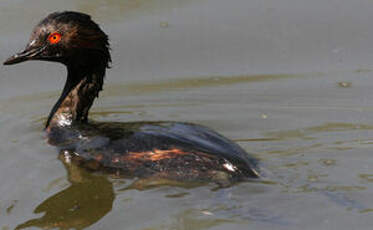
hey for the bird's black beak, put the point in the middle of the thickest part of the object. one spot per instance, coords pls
(30, 53)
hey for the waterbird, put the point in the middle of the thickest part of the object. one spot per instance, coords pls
(178, 151)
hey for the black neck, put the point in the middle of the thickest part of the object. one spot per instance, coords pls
(82, 86)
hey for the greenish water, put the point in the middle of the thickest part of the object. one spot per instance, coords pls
(290, 81)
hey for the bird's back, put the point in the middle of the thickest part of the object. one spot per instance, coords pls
(169, 150)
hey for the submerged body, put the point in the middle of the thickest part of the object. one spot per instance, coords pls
(177, 151)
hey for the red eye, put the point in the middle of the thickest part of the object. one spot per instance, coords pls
(54, 38)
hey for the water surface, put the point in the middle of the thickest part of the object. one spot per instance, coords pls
(290, 81)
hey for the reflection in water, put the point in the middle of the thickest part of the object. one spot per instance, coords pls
(89, 198)
(198, 82)
(83, 203)
(366, 177)
(306, 133)
(308, 139)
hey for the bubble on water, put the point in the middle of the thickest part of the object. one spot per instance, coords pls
(344, 84)
(163, 24)
(328, 162)
(208, 213)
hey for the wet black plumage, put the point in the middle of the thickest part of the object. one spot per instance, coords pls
(171, 150)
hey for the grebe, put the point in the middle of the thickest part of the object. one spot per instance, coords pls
(167, 150)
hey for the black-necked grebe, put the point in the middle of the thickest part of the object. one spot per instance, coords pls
(171, 150)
